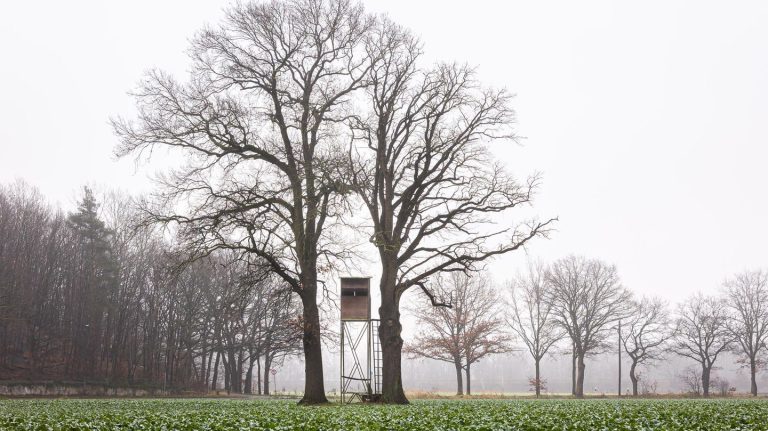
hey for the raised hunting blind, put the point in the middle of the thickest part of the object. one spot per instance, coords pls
(360, 346)
(355, 298)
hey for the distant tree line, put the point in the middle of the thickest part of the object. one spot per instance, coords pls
(580, 303)
(90, 297)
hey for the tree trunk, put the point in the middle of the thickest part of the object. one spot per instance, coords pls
(538, 378)
(705, 372)
(389, 334)
(258, 375)
(459, 379)
(753, 372)
(580, 376)
(227, 383)
(232, 365)
(573, 371)
(249, 378)
(208, 369)
(469, 387)
(215, 379)
(391, 355)
(239, 370)
(314, 386)
(633, 377)
(267, 365)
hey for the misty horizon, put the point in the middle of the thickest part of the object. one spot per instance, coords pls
(644, 122)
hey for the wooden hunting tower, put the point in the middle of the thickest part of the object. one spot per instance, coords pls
(355, 298)
(360, 377)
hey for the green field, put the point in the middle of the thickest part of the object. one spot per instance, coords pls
(184, 414)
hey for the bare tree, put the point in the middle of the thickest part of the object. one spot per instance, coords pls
(645, 334)
(702, 333)
(35, 267)
(280, 330)
(691, 380)
(259, 121)
(723, 386)
(747, 296)
(587, 300)
(465, 333)
(531, 317)
(420, 164)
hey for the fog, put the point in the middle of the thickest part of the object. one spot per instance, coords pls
(647, 121)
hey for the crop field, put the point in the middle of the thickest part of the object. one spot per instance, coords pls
(433, 415)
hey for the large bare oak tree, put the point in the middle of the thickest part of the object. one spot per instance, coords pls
(645, 334)
(420, 164)
(702, 333)
(258, 119)
(587, 300)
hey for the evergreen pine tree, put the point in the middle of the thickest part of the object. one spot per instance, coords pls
(94, 284)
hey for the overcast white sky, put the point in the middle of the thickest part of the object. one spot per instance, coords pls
(647, 119)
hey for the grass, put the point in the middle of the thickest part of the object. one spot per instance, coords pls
(228, 414)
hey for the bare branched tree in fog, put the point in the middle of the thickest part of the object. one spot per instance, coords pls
(419, 162)
(256, 323)
(587, 300)
(747, 296)
(531, 317)
(258, 119)
(702, 333)
(690, 377)
(35, 274)
(279, 332)
(465, 333)
(645, 334)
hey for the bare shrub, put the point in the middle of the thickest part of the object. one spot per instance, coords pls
(691, 380)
